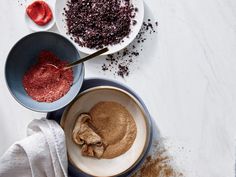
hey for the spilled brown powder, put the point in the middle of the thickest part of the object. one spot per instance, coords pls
(159, 164)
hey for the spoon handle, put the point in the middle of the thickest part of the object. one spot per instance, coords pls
(97, 53)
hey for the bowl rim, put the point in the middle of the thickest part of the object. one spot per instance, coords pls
(146, 117)
(82, 73)
(87, 50)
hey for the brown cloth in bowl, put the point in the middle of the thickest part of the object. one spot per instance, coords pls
(84, 135)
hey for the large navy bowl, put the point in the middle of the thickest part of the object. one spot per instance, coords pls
(25, 53)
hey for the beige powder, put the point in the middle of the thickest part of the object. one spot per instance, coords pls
(159, 164)
(115, 125)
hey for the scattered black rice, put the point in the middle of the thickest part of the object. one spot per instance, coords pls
(119, 63)
(123, 70)
(98, 23)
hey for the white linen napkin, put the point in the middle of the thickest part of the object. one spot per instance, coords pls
(41, 153)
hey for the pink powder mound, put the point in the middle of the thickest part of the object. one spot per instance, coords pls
(46, 83)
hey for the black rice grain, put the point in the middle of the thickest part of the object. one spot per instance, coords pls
(98, 23)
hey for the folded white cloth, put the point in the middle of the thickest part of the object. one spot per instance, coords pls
(41, 153)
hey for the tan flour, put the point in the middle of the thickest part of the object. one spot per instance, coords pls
(159, 164)
(116, 127)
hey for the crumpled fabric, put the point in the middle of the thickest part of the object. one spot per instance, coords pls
(41, 153)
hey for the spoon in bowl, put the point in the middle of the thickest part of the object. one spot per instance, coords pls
(77, 62)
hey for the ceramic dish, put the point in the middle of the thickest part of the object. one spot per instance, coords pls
(94, 82)
(116, 166)
(25, 53)
(33, 26)
(61, 24)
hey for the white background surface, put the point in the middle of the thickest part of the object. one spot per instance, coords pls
(186, 76)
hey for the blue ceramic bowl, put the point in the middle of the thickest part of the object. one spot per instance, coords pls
(25, 53)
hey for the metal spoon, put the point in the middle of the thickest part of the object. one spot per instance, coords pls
(93, 55)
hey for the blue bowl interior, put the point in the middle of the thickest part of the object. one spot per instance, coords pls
(25, 53)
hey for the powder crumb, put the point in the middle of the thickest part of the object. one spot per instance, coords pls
(159, 164)
(21, 2)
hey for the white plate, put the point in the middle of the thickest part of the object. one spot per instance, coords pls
(33, 26)
(62, 27)
(105, 167)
